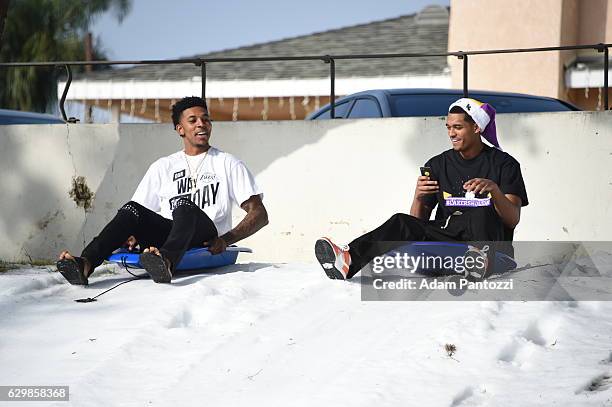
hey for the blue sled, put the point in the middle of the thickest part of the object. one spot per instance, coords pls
(194, 259)
(503, 262)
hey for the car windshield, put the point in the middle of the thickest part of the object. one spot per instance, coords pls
(339, 111)
(437, 104)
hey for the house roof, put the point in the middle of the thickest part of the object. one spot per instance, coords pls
(423, 32)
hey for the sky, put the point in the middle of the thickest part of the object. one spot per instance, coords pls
(161, 29)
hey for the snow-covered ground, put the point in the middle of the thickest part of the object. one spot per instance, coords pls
(285, 335)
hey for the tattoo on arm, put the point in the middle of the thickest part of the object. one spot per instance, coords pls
(255, 219)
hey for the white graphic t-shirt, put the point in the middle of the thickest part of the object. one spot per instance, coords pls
(220, 181)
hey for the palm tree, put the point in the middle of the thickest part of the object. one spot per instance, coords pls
(3, 9)
(46, 30)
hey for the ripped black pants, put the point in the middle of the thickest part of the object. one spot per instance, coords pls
(190, 227)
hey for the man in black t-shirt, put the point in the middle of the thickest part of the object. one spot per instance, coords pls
(479, 192)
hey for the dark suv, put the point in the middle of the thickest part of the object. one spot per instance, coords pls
(431, 102)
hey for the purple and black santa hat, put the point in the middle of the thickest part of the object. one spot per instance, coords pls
(483, 115)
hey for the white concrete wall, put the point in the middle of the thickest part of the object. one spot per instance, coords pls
(334, 178)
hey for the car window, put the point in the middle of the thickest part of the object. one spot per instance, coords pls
(364, 108)
(437, 104)
(421, 105)
(510, 104)
(340, 112)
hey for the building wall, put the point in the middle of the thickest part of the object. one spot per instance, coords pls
(286, 99)
(608, 29)
(589, 99)
(321, 178)
(221, 109)
(594, 17)
(570, 33)
(498, 24)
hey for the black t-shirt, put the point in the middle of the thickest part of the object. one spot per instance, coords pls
(452, 171)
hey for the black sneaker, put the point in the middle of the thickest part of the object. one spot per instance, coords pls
(73, 270)
(156, 267)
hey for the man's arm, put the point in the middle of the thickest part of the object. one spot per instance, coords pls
(507, 206)
(255, 219)
(424, 188)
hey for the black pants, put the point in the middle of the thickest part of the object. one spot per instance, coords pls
(477, 224)
(190, 227)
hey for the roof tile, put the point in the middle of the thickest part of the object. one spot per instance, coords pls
(425, 32)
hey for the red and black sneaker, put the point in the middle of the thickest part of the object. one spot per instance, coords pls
(334, 259)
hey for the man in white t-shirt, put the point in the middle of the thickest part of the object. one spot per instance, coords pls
(183, 201)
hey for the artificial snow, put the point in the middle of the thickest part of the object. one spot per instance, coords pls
(259, 334)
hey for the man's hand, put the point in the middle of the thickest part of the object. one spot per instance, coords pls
(481, 185)
(130, 243)
(216, 246)
(425, 186)
(507, 206)
(255, 219)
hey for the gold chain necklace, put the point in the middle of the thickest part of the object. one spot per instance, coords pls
(194, 179)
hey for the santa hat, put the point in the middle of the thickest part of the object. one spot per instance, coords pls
(483, 115)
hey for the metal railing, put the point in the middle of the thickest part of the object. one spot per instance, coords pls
(328, 59)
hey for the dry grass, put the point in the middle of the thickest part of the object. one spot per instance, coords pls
(5, 266)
